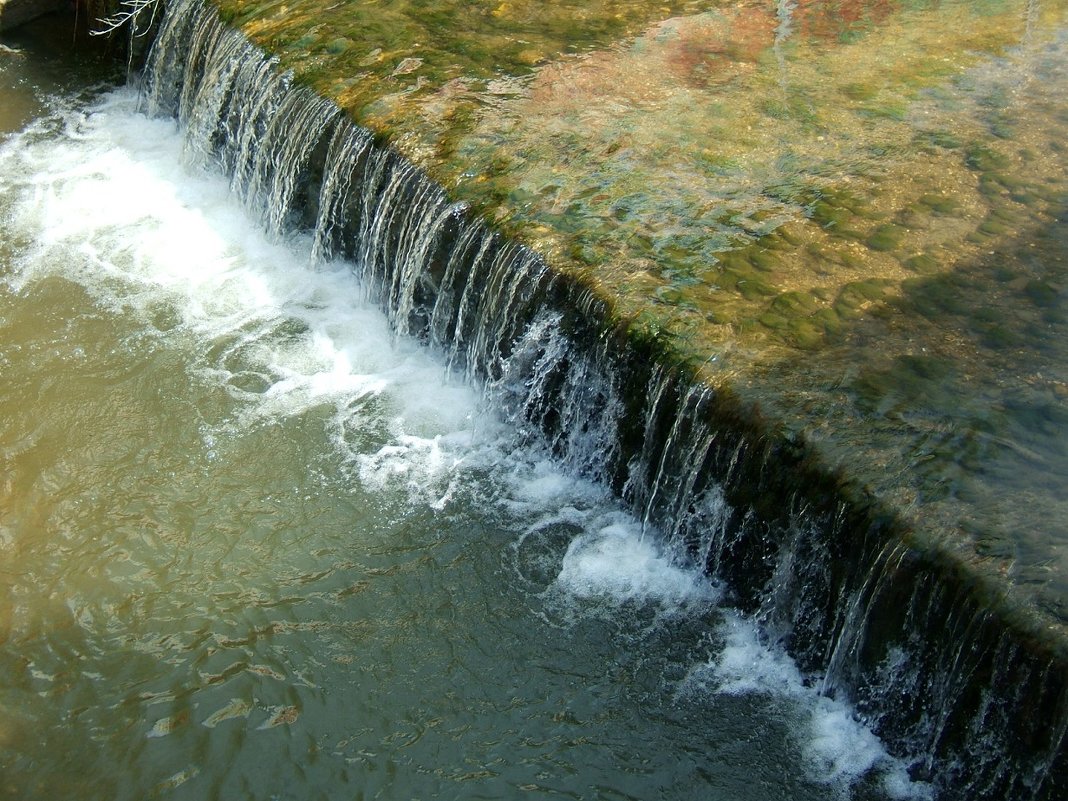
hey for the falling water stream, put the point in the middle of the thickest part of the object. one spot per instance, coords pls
(255, 544)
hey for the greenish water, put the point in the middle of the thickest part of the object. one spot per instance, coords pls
(253, 545)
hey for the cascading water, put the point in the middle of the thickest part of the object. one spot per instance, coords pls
(257, 545)
(822, 579)
(857, 609)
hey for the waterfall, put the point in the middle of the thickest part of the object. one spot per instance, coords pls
(926, 656)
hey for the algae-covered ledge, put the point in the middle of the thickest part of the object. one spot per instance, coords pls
(850, 214)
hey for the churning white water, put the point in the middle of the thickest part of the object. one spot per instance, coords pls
(346, 576)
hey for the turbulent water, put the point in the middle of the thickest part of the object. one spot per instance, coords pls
(255, 544)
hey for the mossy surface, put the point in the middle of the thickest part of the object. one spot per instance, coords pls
(851, 212)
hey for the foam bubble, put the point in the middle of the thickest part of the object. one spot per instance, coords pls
(430, 469)
(839, 748)
(614, 561)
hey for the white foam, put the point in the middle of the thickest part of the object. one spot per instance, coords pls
(429, 468)
(111, 206)
(614, 561)
(838, 747)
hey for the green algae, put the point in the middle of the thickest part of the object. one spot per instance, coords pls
(940, 204)
(795, 303)
(886, 237)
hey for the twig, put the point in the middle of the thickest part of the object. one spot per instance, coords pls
(128, 14)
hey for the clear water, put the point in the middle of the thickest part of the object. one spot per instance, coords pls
(252, 545)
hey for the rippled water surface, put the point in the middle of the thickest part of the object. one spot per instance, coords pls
(254, 546)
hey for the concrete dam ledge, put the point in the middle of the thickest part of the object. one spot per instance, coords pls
(882, 393)
(780, 275)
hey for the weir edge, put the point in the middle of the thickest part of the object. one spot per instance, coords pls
(767, 476)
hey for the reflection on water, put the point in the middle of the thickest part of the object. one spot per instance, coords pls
(254, 546)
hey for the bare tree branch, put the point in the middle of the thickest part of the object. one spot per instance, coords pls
(130, 13)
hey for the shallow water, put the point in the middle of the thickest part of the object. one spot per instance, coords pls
(255, 545)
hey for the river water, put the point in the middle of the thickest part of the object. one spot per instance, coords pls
(253, 544)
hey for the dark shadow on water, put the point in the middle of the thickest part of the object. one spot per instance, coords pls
(49, 56)
(951, 399)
